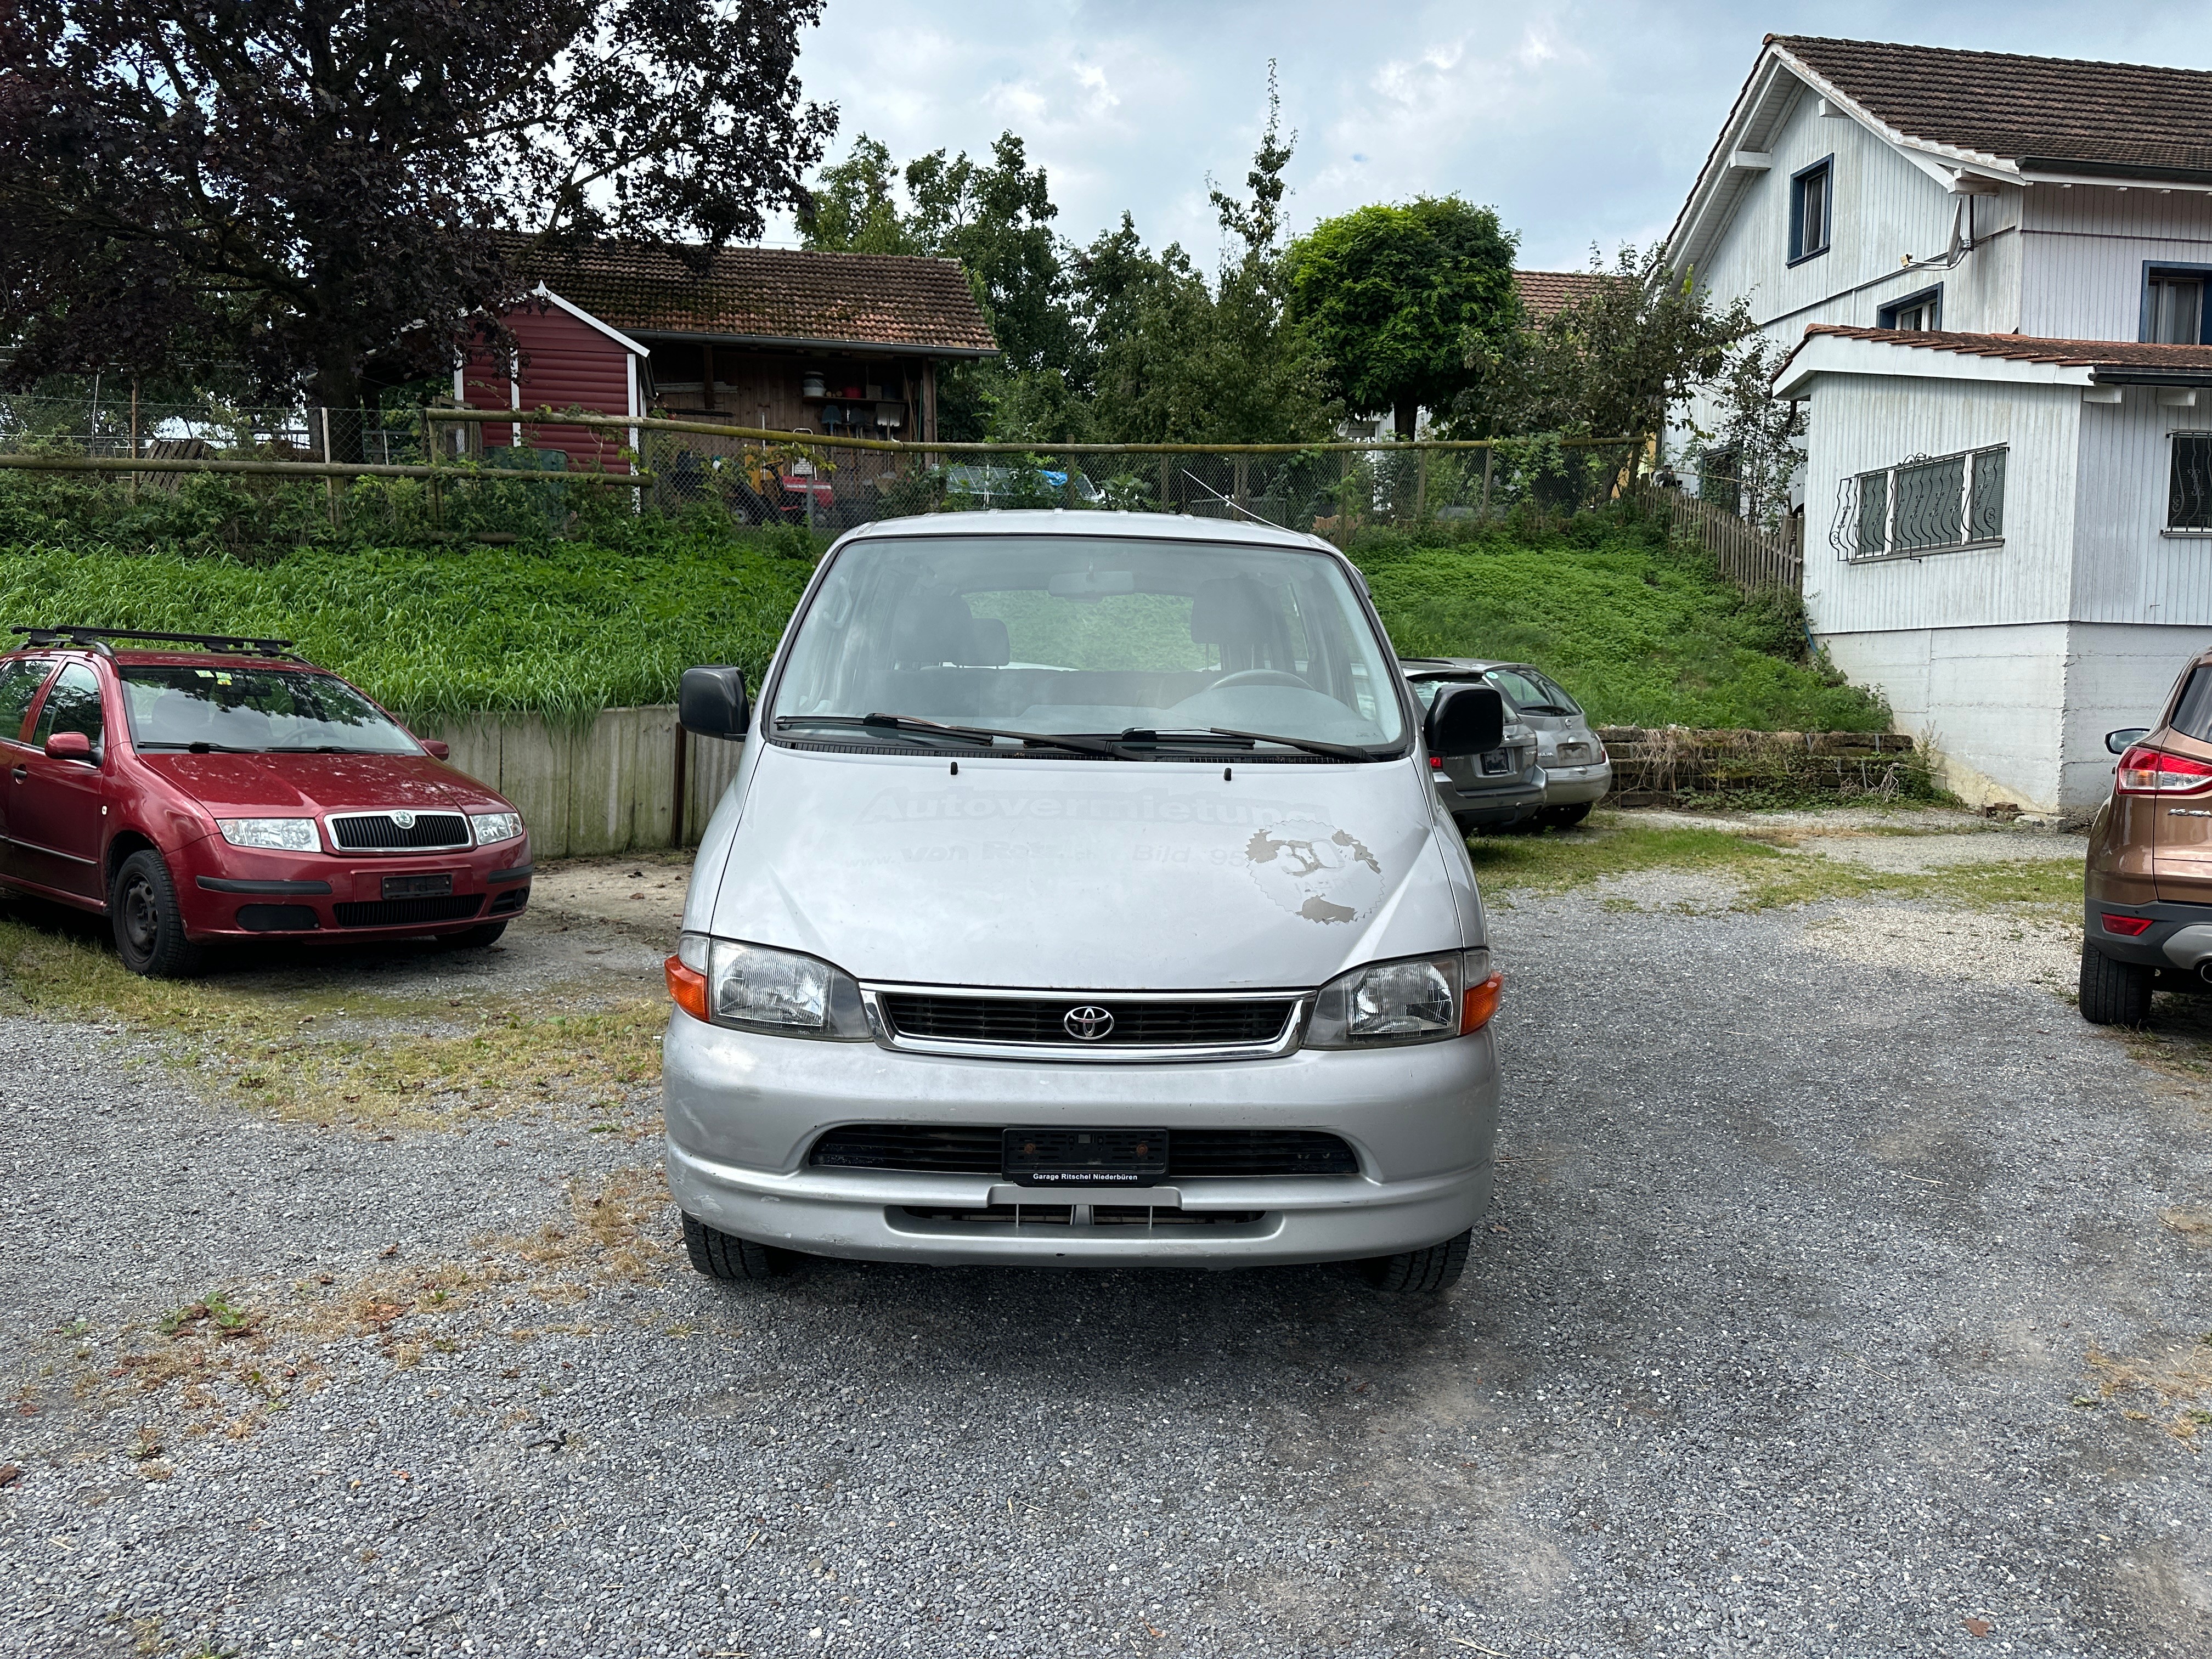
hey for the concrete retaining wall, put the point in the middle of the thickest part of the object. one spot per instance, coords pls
(607, 788)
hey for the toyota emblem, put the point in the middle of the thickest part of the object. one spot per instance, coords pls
(1087, 1023)
(405, 820)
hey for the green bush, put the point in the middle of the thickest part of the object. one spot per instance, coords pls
(1640, 631)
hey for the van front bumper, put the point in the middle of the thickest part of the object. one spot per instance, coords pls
(743, 1111)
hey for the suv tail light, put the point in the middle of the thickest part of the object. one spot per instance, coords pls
(2153, 772)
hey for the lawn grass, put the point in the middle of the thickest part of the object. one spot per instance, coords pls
(1641, 631)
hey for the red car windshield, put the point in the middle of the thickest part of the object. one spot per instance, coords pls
(254, 711)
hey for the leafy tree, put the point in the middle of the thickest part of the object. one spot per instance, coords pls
(1637, 342)
(315, 188)
(1390, 295)
(855, 206)
(1180, 362)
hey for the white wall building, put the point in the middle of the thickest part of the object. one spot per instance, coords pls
(1993, 271)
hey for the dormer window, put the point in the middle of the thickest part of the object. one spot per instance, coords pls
(1811, 193)
(1922, 312)
(2173, 304)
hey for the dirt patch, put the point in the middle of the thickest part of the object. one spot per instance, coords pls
(2168, 1386)
(642, 894)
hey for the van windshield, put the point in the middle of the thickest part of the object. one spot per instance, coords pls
(1159, 645)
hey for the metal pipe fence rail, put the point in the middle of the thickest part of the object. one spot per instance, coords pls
(512, 474)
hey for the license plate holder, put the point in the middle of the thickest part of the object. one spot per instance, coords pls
(1086, 1158)
(438, 886)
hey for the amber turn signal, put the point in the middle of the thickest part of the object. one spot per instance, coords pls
(1480, 1003)
(688, 986)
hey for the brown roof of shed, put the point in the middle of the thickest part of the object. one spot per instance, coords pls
(775, 295)
(2054, 114)
(1543, 292)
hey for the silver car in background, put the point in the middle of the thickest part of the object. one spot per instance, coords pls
(1500, 789)
(1576, 770)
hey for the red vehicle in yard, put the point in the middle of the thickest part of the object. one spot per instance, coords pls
(196, 787)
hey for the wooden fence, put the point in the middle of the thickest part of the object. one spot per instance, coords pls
(1746, 556)
(613, 787)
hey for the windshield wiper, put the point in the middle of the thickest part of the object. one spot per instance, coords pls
(974, 734)
(1208, 739)
(204, 748)
(1311, 745)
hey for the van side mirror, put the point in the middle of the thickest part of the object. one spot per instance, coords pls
(2125, 738)
(1465, 720)
(711, 702)
(69, 746)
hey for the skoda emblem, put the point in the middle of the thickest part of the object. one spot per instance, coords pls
(405, 820)
(1087, 1023)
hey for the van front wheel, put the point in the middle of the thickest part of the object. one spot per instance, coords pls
(726, 1257)
(2113, 993)
(1437, 1268)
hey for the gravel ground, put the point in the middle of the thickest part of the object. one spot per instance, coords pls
(1820, 1312)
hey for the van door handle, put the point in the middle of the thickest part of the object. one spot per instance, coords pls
(20, 773)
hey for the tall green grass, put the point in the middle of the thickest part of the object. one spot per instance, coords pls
(563, 631)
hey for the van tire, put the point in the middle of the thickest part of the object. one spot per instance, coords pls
(728, 1258)
(149, 927)
(1423, 1271)
(2114, 992)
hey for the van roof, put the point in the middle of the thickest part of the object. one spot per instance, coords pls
(1054, 521)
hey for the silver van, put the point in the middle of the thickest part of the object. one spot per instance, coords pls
(1081, 898)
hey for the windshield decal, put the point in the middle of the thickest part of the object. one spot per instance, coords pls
(1314, 871)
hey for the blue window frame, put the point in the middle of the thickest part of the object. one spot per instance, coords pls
(1812, 208)
(2176, 303)
(1922, 310)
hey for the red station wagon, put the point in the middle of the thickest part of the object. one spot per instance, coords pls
(195, 787)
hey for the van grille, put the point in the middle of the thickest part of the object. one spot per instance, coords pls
(1155, 1023)
(960, 1149)
(376, 832)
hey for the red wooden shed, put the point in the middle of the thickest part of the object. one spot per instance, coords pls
(568, 359)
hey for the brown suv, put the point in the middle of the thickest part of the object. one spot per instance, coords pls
(2148, 910)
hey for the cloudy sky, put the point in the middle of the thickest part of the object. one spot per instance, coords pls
(1579, 123)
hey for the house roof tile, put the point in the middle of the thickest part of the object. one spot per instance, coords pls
(774, 294)
(1543, 292)
(2023, 349)
(2054, 114)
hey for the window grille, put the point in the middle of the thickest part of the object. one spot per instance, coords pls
(1928, 504)
(2189, 496)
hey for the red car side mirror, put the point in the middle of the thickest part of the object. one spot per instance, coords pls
(436, 750)
(69, 746)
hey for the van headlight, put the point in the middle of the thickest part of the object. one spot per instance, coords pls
(1418, 1000)
(754, 988)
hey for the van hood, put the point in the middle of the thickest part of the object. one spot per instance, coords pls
(1080, 875)
(301, 786)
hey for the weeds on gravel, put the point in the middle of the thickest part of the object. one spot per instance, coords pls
(229, 1362)
(287, 1048)
(1764, 865)
(2169, 1389)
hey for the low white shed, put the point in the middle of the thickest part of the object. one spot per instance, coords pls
(2011, 538)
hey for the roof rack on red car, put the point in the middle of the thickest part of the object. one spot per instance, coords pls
(95, 639)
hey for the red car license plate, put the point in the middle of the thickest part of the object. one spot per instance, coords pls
(437, 886)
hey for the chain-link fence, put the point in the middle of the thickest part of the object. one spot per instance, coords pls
(442, 474)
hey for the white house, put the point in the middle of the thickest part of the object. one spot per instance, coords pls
(1992, 270)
